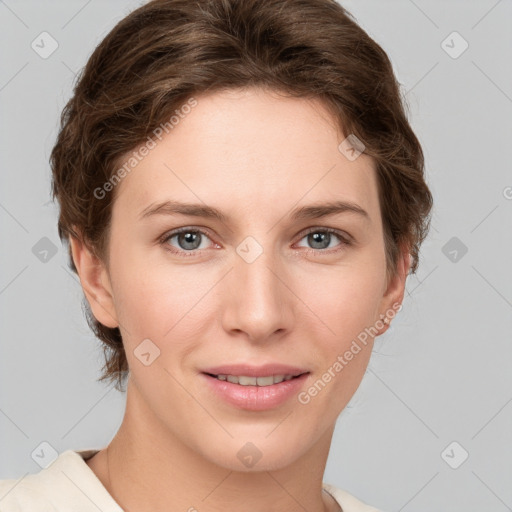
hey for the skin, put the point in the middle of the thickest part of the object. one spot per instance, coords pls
(255, 156)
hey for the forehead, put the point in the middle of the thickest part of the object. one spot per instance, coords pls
(249, 152)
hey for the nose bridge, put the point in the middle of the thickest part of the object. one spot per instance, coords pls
(258, 305)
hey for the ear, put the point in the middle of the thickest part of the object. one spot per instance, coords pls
(95, 283)
(394, 294)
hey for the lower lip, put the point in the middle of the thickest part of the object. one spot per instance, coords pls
(256, 398)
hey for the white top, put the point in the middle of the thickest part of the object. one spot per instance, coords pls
(68, 484)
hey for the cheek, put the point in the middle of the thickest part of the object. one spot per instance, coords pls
(344, 310)
(159, 301)
(343, 299)
(344, 302)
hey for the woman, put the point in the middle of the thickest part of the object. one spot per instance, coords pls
(243, 198)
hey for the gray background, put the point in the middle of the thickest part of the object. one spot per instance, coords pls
(442, 372)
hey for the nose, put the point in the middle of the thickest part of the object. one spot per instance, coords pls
(258, 301)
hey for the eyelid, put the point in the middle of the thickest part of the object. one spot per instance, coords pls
(343, 235)
(171, 234)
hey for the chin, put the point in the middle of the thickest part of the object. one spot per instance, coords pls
(255, 453)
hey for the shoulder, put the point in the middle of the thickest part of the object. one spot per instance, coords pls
(19, 495)
(67, 483)
(347, 501)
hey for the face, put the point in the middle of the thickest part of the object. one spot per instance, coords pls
(268, 281)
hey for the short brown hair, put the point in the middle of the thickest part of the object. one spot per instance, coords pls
(164, 52)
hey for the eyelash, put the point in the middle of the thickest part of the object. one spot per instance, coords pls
(345, 241)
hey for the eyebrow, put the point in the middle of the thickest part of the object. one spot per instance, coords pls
(313, 211)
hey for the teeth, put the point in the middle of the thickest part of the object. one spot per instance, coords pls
(243, 380)
(262, 381)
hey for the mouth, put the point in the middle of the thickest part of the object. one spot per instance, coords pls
(262, 381)
(255, 392)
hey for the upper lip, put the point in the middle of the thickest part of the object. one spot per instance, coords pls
(255, 371)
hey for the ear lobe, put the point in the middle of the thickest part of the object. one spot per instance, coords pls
(397, 282)
(394, 294)
(95, 283)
